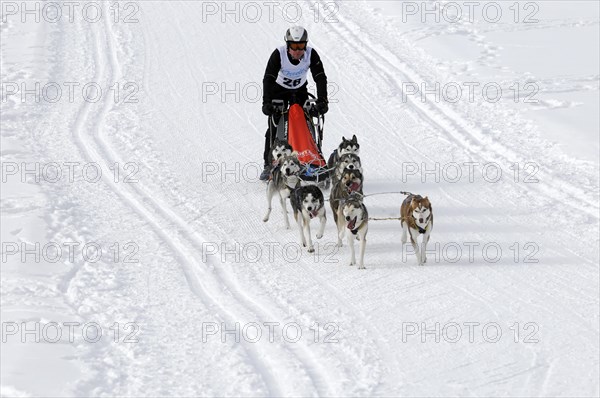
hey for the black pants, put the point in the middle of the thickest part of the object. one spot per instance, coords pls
(270, 136)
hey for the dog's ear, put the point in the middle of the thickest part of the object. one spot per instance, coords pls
(353, 137)
(428, 203)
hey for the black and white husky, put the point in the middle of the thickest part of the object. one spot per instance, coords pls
(285, 180)
(279, 149)
(308, 203)
(353, 220)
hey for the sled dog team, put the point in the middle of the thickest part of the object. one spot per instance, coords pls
(346, 200)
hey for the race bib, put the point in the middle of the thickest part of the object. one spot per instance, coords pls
(293, 76)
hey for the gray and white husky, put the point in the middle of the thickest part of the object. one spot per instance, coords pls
(351, 181)
(308, 203)
(285, 180)
(353, 219)
(346, 146)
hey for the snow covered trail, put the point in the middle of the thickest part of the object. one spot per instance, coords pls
(222, 304)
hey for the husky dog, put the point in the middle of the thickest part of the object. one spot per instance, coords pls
(279, 149)
(346, 146)
(308, 203)
(347, 160)
(285, 179)
(416, 217)
(350, 181)
(353, 217)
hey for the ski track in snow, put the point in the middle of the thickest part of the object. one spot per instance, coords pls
(192, 239)
(275, 364)
(177, 286)
(456, 127)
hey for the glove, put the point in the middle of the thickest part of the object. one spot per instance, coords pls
(322, 106)
(268, 109)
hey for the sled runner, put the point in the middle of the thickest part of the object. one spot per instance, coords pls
(297, 126)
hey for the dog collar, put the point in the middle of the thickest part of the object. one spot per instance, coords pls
(423, 230)
(356, 227)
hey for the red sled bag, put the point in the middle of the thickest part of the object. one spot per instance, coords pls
(300, 138)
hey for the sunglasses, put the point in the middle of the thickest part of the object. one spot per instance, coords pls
(297, 46)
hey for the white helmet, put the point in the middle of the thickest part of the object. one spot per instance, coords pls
(296, 34)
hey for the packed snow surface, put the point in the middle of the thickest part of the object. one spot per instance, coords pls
(135, 261)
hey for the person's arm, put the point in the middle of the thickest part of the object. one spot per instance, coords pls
(318, 74)
(273, 67)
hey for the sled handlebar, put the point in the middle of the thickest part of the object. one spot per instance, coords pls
(278, 104)
(309, 103)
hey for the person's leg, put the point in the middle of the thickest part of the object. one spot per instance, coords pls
(268, 144)
(266, 173)
(270, 136)
(269, 139)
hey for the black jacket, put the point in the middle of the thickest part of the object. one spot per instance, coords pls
(272, 90)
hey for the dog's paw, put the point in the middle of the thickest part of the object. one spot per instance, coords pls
(265, 219)
(319, 236)
(311, 249)
(362, 267)
(339, 243)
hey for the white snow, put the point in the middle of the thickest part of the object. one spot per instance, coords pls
(195, 296)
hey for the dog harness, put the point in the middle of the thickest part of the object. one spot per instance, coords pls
(293, 76)
(291, 184)
(423, 230)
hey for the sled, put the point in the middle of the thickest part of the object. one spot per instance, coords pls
(297, 126)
